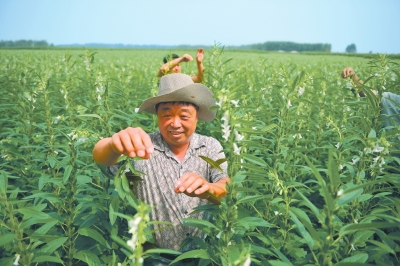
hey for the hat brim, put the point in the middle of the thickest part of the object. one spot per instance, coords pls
(195, 93)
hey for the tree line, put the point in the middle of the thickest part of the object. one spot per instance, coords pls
(290, 46)
(25, 43)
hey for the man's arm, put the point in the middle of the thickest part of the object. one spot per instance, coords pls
(349, 72)
(130, 142)
(195, 185)
(200, 67)
(164, 69)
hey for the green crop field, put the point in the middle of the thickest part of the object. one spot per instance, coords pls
(314, 178)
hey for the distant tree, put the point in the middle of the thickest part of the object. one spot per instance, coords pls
(24, 43)
(291, 46)
(351, 48)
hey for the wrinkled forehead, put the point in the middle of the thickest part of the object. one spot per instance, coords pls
(167, 105)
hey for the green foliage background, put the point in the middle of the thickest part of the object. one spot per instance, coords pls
(315, 179)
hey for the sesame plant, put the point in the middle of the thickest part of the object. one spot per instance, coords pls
(314, 176)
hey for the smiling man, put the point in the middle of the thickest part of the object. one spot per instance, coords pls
(176, 179)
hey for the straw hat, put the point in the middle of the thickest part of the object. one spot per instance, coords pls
(181, 88)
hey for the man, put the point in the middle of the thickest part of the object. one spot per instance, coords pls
(390, 102)
(176, 179)
(174, 65)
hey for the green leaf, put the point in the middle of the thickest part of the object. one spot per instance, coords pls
(333, 171)
(53, 245)
(45, 228)
(114, 206)
(125, 183)
(214, 164)
(348, 197)
(5, 239)
(255, 160)
(353, 264)
(202, 224)
(281, 256)
(303, 232)
(93, 234)
(47, 259)
(162, 251)
(198, 253)
(350, 228)
(67, 173)
(310, 205)
(361, 258)
(3, 183)
(372, 134)
(29, 212)
(91, 115)
(325, 192)
(252, 198)
(88, 257)
(382, 247)
(279, 263)
(253, 222)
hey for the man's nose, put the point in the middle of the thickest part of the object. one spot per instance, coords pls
(176, 122)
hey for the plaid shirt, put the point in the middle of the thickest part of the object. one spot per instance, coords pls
(161, 172)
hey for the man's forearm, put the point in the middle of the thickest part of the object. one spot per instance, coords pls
(103, 154)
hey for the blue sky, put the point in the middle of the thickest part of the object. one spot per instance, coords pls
(371, 24)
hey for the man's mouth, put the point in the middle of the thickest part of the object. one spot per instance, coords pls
(175, 133)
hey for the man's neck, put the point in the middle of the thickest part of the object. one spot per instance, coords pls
(179, 151)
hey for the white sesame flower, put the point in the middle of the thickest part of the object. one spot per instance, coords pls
(288, 104)
(236, 149)
(377, 148)
(98, 97)
(337, 145)
(226, 131)
(219, 234)
(247, 262)
(301, 91)
(132, 242)
(17, 257)
(238, 136)
(352, 247)
(297, 135)
(56, 119)
(355, 160)
(235, 103)
(82, 139)
(367, 150)
(136, 110)
(355, 221)
(340, 192)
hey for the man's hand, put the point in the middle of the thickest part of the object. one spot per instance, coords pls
(348, 72)
(200, 55)
(186, 58)
(193, 185)
(132, 142)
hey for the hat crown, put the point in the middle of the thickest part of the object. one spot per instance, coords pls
(173, 82)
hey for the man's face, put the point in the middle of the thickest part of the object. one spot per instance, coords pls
(177, 122)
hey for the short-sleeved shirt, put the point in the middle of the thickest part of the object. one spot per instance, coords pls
(161, 173)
